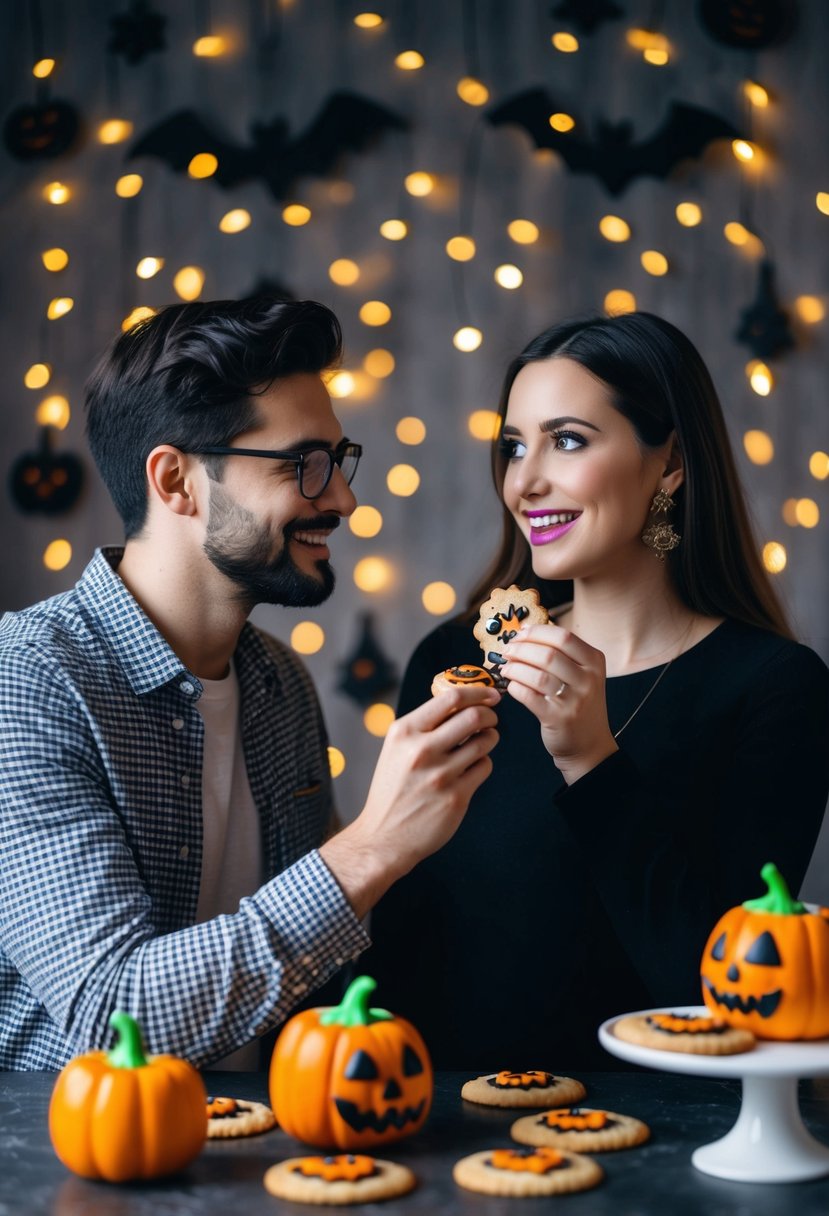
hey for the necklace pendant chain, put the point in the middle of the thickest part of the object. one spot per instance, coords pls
(652, 689)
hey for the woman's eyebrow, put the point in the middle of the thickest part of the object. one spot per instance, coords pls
(553, 424)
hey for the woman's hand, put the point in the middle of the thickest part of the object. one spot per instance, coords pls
(561, 679)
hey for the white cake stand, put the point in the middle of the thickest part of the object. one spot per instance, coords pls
(769, 1142)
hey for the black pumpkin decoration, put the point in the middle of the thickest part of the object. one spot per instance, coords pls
(44, 483)
(367, 673)
(137, 32)
(749, 24)
(764, 326)
(42, 130)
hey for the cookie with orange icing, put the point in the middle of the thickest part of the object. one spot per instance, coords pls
(523, 1089)
(526, 1171)
(228, 1118)
(502, 616)
(464, 674)
(693, 1033)
(580, 1129)
(339, 1179)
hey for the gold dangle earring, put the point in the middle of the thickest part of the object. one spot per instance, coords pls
(660, 535)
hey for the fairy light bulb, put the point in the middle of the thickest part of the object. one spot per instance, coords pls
(419, 184)
(236, 220)
(343, 272)
(460, 248)
(810, 309)
(744, 150)
(147, 268)
(379, 363)
(411, 431)
(38, 376)
(394, 230)
(819, 465)
(141, 313)
(375, 313)
(403, 480)
(614, 228)
(758, 447)
(307, 637)
(774, 557)
(508, 276)
(619, 301)
(210, 46)
(688, 214)
(567, 43)
(296, 214)
(756, 94)
(562, 122)
(438, 598)
(410, 61)
(484, 425)
(188, 282)
(467, 339)
(129, 185)
(53, 411)
(654, 262)
(365, 522)
(57, 555)
(57, 193)
(59, 307)
(368, 21)
(523, 232)
(807, 513)
(472, 91)
(760, 377)
(203, 164)
(114, 131)
(336, 762)
(822, 202)
(43, 68)
(55, 259)
(373, 574)
(378, 718)
(341, 384)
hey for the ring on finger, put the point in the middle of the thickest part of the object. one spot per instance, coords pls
(558, 693)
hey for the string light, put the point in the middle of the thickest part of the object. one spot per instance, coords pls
(57, 193)
(53, 411)
(55, 259)
(394, 230)
(460, 248)
(523, 232)
(378, 718)
(336, 762)
(819, 465)
(619, 301)
(654, 262)
(203, 164)
(138, 314)
(744, 150)
(467, 338)
(148, 267)
(57, 555)
(210, 46)
(774, 557)
(564, 42)
(807, 513)
(43, 68)
(235, 221)
(614, 228)
(655, 47)
(689, 214)
(38, 375)
(739, 235)
(365, 522)
(188, 282)
(758, 447)
(410, 61)
(473, 92)
(810, 309)
(438, 598)
(756, 94)
(307, 637)
(59, 307)
(419, 184)
(379, 363)
(129, 185)
(508, 276)
(296, 214)
(114, 131)
(373, 574)
(368, 21)
(341, 384)
(760, 377)
(822, 202)
(403, 480)
(789, 512)
(375, 312)
(562, 122)
(343, 272)
(484, 425)
(411, 431)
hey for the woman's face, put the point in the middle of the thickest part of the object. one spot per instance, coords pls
(578, 482)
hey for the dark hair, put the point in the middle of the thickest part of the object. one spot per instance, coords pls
(188, 376)
(659, 382)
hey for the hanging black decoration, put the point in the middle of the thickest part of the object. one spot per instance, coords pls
(613, 157)
(41, 482)
(587, 15)
(346, 122)
(764, 326)
(42, 130)
(367, 674)
(137, 32)
(749, 24)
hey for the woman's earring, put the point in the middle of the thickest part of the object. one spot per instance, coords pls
(661, 536)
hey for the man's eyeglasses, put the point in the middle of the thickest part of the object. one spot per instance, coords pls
(314, 466)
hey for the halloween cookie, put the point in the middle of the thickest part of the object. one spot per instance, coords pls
(344, 1178)
(580, 1129)
(523, 1089)
(229, 1117)
(465, 673)
(526, 1171)
(507, 610)
(705, 1036)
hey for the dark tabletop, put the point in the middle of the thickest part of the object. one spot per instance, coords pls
(683, 1112)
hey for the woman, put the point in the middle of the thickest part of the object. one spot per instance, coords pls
(661, 738)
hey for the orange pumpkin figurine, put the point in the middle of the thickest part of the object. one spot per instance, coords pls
(765, 966)
(350, 1077)
(124, 1116)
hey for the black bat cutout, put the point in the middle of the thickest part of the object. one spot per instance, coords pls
(613, 157)
(346, 123)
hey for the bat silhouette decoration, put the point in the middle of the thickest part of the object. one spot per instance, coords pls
(346, 123)
(613, 156)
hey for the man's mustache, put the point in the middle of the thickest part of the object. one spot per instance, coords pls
(316, 524)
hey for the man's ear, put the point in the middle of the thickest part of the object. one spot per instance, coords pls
(674, 470)
(173, 480)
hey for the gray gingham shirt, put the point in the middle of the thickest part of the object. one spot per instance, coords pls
(101, 829)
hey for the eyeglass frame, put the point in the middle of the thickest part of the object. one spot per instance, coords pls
(346, 447)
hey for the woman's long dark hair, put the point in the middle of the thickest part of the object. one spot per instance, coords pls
(659, 382)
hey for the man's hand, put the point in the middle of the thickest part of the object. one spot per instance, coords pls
(432, 761)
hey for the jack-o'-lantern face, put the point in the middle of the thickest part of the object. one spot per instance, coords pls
(744, 973)
(522, 1080)
(572, 1119)
(41, 131)
(384, 1088)
(526, 1160)
(467, 673)
(344, 1167)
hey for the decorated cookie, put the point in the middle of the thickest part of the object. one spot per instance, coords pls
(705, 1036)
(580, 1129)
(230, 1117)
(464, 673)
(526, 1171)
(523, 1089)
(344, 1178)
(507, 610)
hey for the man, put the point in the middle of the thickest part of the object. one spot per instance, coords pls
(165, 792)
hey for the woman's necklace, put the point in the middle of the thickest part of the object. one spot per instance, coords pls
(644, 699)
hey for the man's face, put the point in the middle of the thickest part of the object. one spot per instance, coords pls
(261, 533)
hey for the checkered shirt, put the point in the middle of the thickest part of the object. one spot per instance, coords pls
(101, 838)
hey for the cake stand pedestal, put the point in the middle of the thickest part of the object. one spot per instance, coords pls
(769, 1142)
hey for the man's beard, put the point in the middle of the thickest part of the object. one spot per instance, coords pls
(240, 547)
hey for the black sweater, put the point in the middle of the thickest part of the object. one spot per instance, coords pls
(553, 908)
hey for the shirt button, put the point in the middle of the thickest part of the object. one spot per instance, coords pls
(184, 852)
(177, 723)
(185, 780)
(187, 688)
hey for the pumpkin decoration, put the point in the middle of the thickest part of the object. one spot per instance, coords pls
(349, 1076)
(765, 967)
(43, 482)
(39, 132)
(123, 1116)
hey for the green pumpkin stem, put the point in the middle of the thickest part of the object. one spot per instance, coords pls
(353, 1009)
(128, 1052)
(778, 899)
